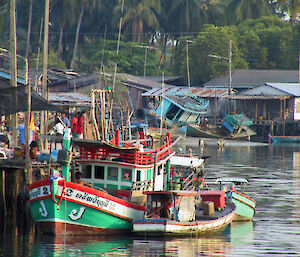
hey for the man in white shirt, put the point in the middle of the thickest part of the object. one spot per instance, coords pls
(59, 128)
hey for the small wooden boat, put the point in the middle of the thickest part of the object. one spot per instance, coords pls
(174, 213)
(284, 139)
(245, 205)
(234, 126)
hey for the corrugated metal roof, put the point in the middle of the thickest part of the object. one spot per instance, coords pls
(192, 104)
(69, 99)
(183, 91)
(242, 78)
(290, 88)
(256, 97)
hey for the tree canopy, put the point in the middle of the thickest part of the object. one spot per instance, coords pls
(264, 35)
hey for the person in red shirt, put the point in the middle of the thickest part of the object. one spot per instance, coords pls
(74, 122)
(80, 125)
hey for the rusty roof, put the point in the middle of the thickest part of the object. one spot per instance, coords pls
(69, 99)
(182, 91)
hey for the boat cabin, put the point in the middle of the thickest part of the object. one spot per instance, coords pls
(118, 167)
(177, 205)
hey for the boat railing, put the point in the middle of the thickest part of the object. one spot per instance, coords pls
(188, 182)
(136, 193)
(142, 185)
(134, 156)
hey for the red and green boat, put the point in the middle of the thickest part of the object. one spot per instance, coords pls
(245, 205)
(118, 175)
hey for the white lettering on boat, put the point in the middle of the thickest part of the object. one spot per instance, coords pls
(76, 215)
(85, 198)
(43, 210)
(39, 192)
(94, 200)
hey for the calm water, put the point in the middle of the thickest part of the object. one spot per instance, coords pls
(274, 176)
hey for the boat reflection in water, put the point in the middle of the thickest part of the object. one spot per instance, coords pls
(236, 236)
(296, 185)
(241, 233)
(181, 246)
(46, 246)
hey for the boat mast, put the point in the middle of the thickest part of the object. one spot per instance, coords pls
(13, 67)
(45, 66)
(116, 64)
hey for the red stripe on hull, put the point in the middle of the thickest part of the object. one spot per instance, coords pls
(60, 229)
(90, 190)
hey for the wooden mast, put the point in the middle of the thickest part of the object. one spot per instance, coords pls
(45, 66)
(13, 67)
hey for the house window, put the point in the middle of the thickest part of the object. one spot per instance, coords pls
(99, 172)
(112, 173)
(126, 175)
(86, 171)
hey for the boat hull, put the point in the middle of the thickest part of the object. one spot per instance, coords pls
(195, 131)
(284, 139)
(245, 206)
(77, 210)
(158, 227)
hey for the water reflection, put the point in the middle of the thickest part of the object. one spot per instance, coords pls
(50, 246)
(296, 188)
(241, 233)
(274, 176)
(182, 247)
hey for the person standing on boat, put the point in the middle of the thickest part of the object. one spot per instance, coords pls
(74, 122)
(66, 120)
(59, 127)
(78, 179)
(80, 125)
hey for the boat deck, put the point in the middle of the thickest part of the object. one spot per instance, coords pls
(218, 213)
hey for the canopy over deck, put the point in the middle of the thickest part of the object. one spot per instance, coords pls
(172, 192)
(186, 161)
(232, 180)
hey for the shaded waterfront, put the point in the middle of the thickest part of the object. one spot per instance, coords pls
(274, 175)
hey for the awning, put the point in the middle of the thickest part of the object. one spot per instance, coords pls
(14, 99)
(186, 161)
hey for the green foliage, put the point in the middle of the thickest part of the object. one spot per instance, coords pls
(131, 57)
(211, 41)
(266, 40)
(241, 10)
(258, 43)
(53, 60)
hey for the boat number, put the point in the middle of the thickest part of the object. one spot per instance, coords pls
(69, 192)
(43, 209)
(45, 191)
(75, 215)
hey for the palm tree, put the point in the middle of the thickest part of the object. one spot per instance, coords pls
(240, 10)
(214, 11)
(292, 7)
(84, 5)
(185, 15)
(138, 14)
(63, 15)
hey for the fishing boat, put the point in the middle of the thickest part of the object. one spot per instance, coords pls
(245, 205)
(284, 139)
(187, 172)
(117, 176)
(234, 126)
(174, 213)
